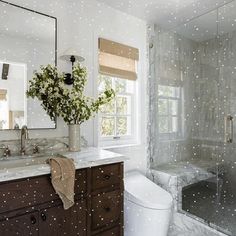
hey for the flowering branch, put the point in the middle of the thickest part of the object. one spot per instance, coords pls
(69, 103)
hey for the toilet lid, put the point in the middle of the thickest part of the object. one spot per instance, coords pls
(144, 192)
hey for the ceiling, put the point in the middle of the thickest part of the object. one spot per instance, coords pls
(208, 26)
(172, 14)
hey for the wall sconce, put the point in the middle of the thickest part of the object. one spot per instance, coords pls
(71, 55)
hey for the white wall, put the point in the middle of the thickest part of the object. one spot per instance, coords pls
(80, 23)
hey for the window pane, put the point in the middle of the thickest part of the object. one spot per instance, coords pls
(108, 108)
(163, 107)
(107, 126)
(163, 124)
(116, 117)
(123, 126)
(120, 85)
(165, 91)
(173, 104)
(168, 91)
(104, 82)
(4, 114)
(174, 124)
(124, 86)
(123, 105)
(130, 86)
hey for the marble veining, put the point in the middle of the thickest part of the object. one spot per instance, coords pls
(87, 157)
(182, 225)
(173, 177)
(45, 145)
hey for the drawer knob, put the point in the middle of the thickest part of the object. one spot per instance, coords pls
(107, 209)
(33, 220)
(43, 216)
(107, 177)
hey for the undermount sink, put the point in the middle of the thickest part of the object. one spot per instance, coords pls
(21, 161)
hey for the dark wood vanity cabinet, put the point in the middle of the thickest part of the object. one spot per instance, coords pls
(31, 207)
(26, 224)
(56, 221)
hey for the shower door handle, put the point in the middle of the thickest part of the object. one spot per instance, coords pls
(229, 129)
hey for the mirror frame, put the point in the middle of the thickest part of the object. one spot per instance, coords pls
(56, 42)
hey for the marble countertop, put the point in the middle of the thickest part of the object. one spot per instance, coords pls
(19, 168)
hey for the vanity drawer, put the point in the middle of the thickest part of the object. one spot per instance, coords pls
(107, 176)
(27, 224)
(106, 209)
(29, 192)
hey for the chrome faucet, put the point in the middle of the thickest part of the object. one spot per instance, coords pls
(24, 134)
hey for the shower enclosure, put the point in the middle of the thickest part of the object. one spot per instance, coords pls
(192, 108)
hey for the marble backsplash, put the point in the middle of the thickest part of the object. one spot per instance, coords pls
(45, 145)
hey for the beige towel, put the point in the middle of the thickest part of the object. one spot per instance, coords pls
(63, 179)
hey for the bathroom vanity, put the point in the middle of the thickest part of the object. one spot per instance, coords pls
(30, 206)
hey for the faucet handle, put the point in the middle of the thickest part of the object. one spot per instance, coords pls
(3, 146)
(35, 149)
(6, 151)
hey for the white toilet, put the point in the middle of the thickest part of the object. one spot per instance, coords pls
(148, 207)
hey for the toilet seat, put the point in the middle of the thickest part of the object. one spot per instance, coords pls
(142, 191)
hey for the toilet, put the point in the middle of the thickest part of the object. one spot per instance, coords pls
(147, 207)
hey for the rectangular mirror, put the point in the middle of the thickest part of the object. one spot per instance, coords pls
(27, 41)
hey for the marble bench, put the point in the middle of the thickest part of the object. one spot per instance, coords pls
(173, 177)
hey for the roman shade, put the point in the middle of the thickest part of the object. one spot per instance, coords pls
(3, 94)
(117, 59)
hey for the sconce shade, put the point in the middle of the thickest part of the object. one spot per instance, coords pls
(66, 56)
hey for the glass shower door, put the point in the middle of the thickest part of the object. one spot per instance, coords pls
(212, 196)
(226, 209)
(200, 193)
(208, 84)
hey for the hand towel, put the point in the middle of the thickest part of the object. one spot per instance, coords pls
(63, 179)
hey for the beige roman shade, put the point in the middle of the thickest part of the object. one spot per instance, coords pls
(3, 94)
(117, 59)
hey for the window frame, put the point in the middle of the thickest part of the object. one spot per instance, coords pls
(115, 140)
(180, 126)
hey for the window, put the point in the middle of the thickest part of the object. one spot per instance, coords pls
(117, 70)
(169, 111)
(117, 119)
(4, 120)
